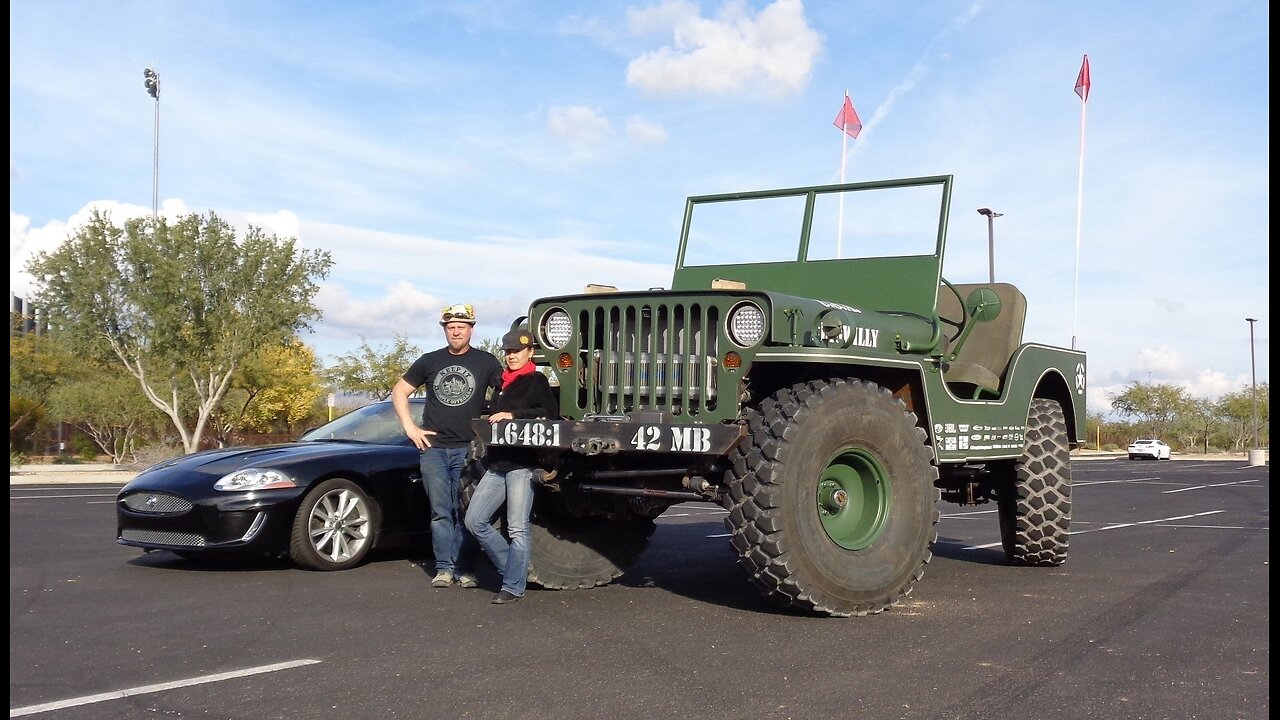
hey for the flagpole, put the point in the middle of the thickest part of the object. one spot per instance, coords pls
(844, 143)
(1084, 104)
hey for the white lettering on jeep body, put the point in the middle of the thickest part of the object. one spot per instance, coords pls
(690, 439)
(865, 337)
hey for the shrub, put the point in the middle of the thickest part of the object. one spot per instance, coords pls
(145, 457)
(16, 458)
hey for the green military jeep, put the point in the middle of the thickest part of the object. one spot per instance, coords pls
(812, 371)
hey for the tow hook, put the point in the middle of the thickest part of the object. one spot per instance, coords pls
(595, 446)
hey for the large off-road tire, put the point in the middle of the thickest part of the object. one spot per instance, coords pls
(831, 500)
(334, 528)
(1034, 504)
(572, 553)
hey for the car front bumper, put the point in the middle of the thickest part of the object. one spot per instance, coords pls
(253, 523)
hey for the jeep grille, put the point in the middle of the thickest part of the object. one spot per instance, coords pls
(639, 356)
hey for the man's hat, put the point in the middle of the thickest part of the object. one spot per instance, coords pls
(517, 339)
(458, 313)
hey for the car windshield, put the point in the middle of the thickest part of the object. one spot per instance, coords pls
(376, 423)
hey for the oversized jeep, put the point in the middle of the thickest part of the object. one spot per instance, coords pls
(824, 383)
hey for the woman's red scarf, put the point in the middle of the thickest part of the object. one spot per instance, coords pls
(509, 376)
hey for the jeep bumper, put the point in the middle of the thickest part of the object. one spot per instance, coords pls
(611, 436)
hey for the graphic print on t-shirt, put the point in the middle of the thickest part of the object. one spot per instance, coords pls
(454, 385)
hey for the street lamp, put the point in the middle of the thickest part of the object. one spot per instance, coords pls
(151, 81)
(1256, 453)
(991, 240)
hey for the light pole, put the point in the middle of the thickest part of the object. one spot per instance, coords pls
(1256, 452)
(151, 81)
(991, 240)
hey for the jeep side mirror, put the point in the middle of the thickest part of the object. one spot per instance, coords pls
(982, 305)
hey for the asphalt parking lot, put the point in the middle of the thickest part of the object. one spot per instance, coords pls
(1161, 611)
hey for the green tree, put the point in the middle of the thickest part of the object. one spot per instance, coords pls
(373, 372)
(106, 404)
(1155, 406)
(1197, 422)
(1237, 411)
(36, 362)
(180, 305)
(275, 388)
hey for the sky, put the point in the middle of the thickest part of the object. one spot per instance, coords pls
(496, 152)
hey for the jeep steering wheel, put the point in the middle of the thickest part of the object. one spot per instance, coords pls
(964, 318)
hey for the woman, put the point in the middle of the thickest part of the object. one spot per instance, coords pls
(508, 477)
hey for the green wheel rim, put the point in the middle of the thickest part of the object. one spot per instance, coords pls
(853, 499)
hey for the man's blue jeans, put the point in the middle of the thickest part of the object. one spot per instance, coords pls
(515, 488)
(442, 478)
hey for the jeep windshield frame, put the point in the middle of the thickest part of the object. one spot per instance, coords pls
(875, 245)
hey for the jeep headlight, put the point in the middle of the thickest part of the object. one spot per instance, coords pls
(746, 324)
(557, 328)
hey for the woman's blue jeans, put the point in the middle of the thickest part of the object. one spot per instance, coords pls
(515, 488)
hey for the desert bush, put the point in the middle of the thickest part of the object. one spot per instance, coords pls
(145, 457)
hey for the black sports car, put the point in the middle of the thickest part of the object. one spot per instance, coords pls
(324, 501)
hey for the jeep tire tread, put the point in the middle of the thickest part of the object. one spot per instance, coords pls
(572, 553)
(1034, 504)
(858, 550)
(569, 553)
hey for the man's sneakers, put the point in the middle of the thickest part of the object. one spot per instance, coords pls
(444, 579)
(503, 597)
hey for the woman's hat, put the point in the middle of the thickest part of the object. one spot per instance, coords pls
(517, 339)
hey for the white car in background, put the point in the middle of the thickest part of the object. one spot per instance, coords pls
(1150, 449)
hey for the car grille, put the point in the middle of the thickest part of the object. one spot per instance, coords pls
(156, 503)
(156, 537)
(649, 356)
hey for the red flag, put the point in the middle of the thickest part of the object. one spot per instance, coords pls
(1082, 80)
(847, 119)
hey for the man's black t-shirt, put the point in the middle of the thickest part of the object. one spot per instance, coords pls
(456, 386)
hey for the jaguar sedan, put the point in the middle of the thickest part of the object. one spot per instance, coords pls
(324, 501)
(1150, 449)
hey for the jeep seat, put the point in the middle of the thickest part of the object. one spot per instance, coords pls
(980, 365)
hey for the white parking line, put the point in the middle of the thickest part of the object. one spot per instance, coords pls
(1115, 526)
(1217, 527)
(113, 488)
(1214, 485)
(160, 687)
(50, 497)
(1113, 482)
(964, 515)
(694, 514)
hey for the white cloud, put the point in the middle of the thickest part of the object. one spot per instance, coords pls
(772, 52)
(281, 222)
(577, 124)
(645, 132)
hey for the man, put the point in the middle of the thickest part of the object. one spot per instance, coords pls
(457, 378)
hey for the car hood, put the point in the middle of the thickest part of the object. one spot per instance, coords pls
(204, 468)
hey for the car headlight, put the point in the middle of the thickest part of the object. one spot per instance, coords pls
(557, 328)
(254, 479)
(746, 324)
